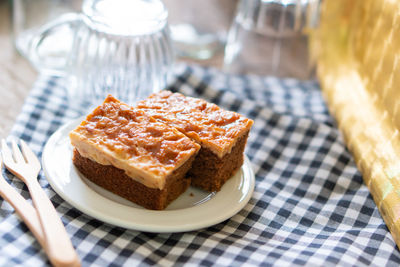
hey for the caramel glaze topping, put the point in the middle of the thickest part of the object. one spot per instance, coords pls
(206, 123)
(131, 135)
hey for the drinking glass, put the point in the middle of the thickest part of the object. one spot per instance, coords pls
(118, 47)
(270, 37)
(199, 28)
(29, 16)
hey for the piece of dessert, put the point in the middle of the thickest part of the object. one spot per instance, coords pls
(222, 134)
(131, 154)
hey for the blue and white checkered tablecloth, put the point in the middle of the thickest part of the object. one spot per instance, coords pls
(309, 207)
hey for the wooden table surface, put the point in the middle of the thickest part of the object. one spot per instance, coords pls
(17, 75)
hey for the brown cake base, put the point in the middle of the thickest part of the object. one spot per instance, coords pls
(209, 172)
(116, 181)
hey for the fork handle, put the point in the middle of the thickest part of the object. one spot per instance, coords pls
(59, 247)
(23, 209)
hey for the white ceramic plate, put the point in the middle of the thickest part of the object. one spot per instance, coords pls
(195, 209)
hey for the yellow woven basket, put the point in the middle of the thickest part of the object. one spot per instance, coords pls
(357, 47)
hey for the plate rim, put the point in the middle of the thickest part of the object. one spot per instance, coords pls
(247, 176)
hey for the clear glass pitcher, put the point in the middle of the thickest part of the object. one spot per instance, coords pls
(121, 47)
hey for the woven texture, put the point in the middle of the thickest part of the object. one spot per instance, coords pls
(359, 73)
(309, 206)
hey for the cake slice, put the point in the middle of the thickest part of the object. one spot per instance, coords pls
(131, 154)
(222, 134)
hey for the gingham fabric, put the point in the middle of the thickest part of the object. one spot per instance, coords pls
(309, 207)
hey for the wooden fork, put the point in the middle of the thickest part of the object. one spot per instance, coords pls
(22, 207)
(26, 166)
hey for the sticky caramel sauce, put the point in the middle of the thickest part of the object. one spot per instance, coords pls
(134, 135)
(205, 122)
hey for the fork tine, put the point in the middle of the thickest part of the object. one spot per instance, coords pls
(28, 154)
(6, 153)
(19, 158)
